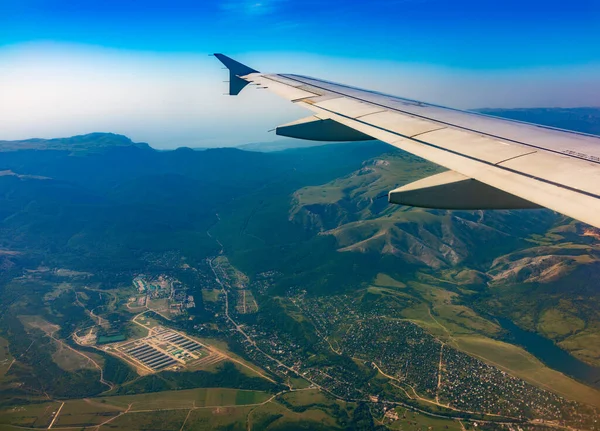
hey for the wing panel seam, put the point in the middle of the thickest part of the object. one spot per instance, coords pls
(370, 113)
(416, 102)
(515, 157)
(411, 114)
(428, 131)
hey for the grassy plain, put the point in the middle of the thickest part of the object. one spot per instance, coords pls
(306, 397)
(66, 358)
(412, 421)
(277, 416)
(452, 318)
(86, 412)
(70, 360)
(37, 322)
(318, 195)
(241, 364)
(57, 290)
(520, 363)
(160, 306)
(298, 383)
(164, 410)
(32, 415)
(189, 398)
(167, 420)
(384, 280)
(194, 409)
(6, 358)
(231, 418)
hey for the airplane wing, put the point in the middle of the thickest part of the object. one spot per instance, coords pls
(493, 163)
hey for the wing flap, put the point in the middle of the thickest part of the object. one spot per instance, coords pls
(320, 129)
(451, 190)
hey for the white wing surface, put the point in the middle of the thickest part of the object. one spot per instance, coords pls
(494, 163)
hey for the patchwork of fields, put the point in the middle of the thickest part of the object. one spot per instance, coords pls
(169, 409)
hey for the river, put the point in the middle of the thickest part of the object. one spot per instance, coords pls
(550, 354)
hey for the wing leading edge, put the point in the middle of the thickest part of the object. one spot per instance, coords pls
(495, 163)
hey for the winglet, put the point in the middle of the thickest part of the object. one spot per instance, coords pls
(236, 69)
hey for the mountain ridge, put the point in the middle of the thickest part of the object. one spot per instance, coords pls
(76, 144)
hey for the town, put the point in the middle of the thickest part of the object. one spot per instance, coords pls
(349, 348)
(161, 293)
(347, 345)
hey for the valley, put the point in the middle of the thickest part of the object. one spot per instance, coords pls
(226, 289)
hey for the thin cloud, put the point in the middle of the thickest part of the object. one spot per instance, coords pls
(251, 8)
(170, 100)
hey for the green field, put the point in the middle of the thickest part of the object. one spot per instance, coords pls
(86, 412)
(32, 415)
(204, 409)
(248, 368)
(412, 421)
(298, 383)
(162, 409)
(211, 295)
(203, 397)
(5, 357)
(167, 420)
(233, 418)
(318, 195)
(307, 397)
(384, 280)
(276, 416)
(451, 318)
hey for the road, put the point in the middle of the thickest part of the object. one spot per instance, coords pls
(10, 366)
(130, 410)
(100, 369)
(313, 383)
(56, 415)
(92, 361)
(235, 324)
(246, 336)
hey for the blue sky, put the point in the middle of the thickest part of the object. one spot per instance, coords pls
(462, 53)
